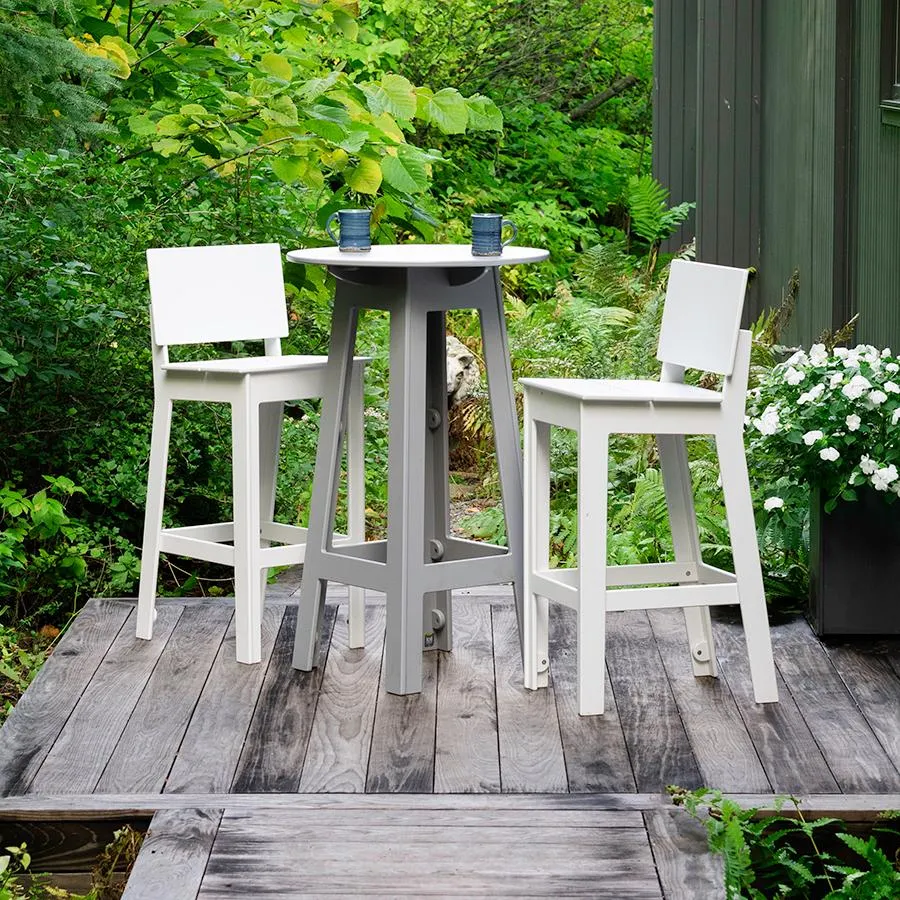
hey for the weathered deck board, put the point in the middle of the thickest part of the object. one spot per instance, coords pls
(687, 871)
(289, 855)
(711, 719)
(148, 746)
(531, 753)
(853, 753)
(174, 855)
(338, 749)
(212, 745)
(660, 751)
(594, 746)
(276, 743)
(466, 757)
(74, 764)
(28, 735)
(787, 750)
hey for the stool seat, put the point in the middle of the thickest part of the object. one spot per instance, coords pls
(214, 294)
(631, 391)
(249, 365)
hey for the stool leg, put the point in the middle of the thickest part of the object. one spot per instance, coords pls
(535, 617)
(676, 474)
(245, 416)
(437, 474)
(324, 491)
(747, 568)
(156, 493)
(593, 477)
(406, 501)
(271, 416)
(356, 499)
(506, 430)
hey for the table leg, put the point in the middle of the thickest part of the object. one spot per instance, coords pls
(506, 430)
(406, 551)
(437, 609)
(325, 481)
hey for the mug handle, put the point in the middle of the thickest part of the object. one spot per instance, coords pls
(328, 230)
(515, 231)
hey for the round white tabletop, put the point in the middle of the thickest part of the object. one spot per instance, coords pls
(403, 256)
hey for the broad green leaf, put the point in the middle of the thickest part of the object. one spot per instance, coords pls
(315, 87)
(281, 111)
(446, 109)
(169, 125)
(114, 41)
(394, 95)
(205, 146)
(282, 19)
(330, 131)
(276, 65)
(483, 114)
(405, 173)
(386, 124)
(329, 112)
(366, 177)
(348, 26)
(355, 139)
(141, 125)
(167, 146)
(336, 160)
(288, 168)
(193, 109)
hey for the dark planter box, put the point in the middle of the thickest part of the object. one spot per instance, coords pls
(854, 566)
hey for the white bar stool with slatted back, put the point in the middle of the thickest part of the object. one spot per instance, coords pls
(700, 330)
(203, 295)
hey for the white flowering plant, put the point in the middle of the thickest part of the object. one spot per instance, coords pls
(830, 419)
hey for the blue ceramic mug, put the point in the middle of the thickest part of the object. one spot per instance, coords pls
(487, 233)
(355, 229)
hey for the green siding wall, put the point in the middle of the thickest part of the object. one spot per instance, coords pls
(875, 185)
(675, 106)
(797, 163)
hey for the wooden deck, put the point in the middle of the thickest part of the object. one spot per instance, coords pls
(264, 779)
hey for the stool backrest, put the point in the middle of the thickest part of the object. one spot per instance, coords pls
(223, 293)
(702, 316)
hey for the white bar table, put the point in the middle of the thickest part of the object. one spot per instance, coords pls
(420, 562)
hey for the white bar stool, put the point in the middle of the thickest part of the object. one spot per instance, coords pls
(700, 329)
(230, 293)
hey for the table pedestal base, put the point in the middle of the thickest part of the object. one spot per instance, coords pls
(419, 563)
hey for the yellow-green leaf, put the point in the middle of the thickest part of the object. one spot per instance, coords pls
(405, 172)
(276, 65)
(114, 41)
(394, 94)
(169, 125)
(167, 146)
(141, 125)
(484, 114)
(366, 177)
(193, 109)
(385, 122)
(288, 168)
(348, 26)
(446, 109)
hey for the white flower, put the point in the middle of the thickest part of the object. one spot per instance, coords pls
(829, 454)
(853, 422)
(798, 358)
(895, 415)
(851, 360)
(836, 379)
(892, 388)
(811, 437)
(773, 503)
(818, 355)
(882, 478)
(769, 421)
(855, 387)
(876, 398)
(891, 367)
(841, 351)
(867, 465)
(886, 352)
(813, 393)
(794, 376)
